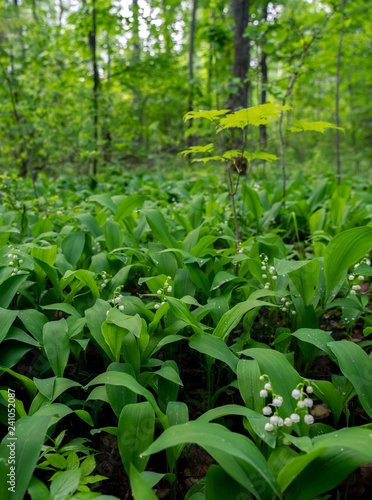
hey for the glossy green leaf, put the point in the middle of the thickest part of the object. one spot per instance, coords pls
(126, 380)
(127, 205)
(140, 488)
(214, 347)
(156, 221)
(30, 433)
(114, 235)
(343, 251)
(219, 441)
(7, 318)
(135, 434)
(57, 345)
(73, 246)
(65, 484)
(230, 319)
(356, 365)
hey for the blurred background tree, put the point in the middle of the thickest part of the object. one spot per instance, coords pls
(91, 83)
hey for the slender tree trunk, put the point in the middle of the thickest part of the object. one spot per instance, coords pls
(27, 162)
(135, 45)
(337, 110)
(264, 80)
(240, 13)
(106, 134)
(61, 10)
(289, 92)
(93, 46)
(191, 65)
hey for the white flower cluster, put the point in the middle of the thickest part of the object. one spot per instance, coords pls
(14, 262)
(268, 272)
(276, 420)
(117, 299)
(104, 279)
(286, 303)
(166, 287)
(355, 288)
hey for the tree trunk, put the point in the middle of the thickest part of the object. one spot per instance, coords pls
(264, 80)
(337, 111)
(191, 65)
(93, 46)
(240, 14)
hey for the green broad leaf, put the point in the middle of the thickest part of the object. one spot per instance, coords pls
(305, 279)
(45, 254)
(114, 235)
(219, 485)
(88, 465)
(34, 322)
(66, 308)
(253, 202)
(30, 433)
(177, 413)
(55, 410)
(37, 490)
(10, 287)
(126, 380)
(104, 200)
(85, 277)
(73, 246)
(55, 460)
(333, 457)
(231, 318)
(156, 221)
(319, 338)
(209, 115)
(45, 386)
(100, 394)
(214, 347)
(42, 269)
(249, 384)
(224, 444)
(343, 251)
(57, 345)
(328, 393)
(85, 417)
(96, 316)
(115, 395)
(260, 155)
(19, 335)
(257, 420)
(302, 126)
(257, 115)
(7, 318)
(19, 407)
(356, 365)
(169, 373)
(65, 484)
(283, 376)
(114, 336)
(135, 434)
(131, 352)
(223, 277)
(152, 478)
(119, 279)
(210, 158)
(90, 222)
(132, 324)
(127, 205)
(26, 381)
(140, 488)
(180, 310)
(198, 149)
